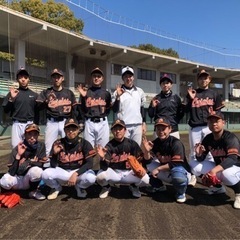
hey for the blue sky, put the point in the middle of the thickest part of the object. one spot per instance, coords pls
(211, 24)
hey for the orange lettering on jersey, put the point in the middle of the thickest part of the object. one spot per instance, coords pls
(120, 158)
(92, 102)
(66, 158)
(202, 102)
(54, 103)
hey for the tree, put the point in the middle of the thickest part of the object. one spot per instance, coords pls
(150, 48)
(52, 12)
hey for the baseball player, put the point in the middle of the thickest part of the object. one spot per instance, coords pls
(167, 104)
(60, 104)
(128, 102)
(95, 103)
(200, 103)
(71, 162)
(25, 164)
(168, 158)
(225, 162)
(114, 165)
(21, 104)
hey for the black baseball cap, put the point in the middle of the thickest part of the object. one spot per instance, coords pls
(57, 71)
(118, 122)
(97, 70)
(71, 122)
(217, 114)
(22, 71)
(166, 77)
(203, 72)
(162, 121)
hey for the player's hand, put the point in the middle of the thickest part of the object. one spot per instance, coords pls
(13, 92)
(35, 159)
(101, 151)
(155, 172)
(119, 90)
(192, 92)
(147, 145)
(73, 179)
(155, 102)
(57, 147)
(199, 149)
(21, 148)
(82, 90)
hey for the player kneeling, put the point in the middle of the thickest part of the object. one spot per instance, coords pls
(116, 162)
(168, 159)
(25, 165)
(71, 161)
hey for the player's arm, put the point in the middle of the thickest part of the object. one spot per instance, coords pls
(116, 102)
(108, 102)
(219, 104)
(7, 103)
(201, 150)
(88, 154)
(152, 107)
(177, 154)
(233, 154)
(42, 100)
(13, 162)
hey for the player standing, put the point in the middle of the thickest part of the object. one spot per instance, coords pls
(61, 104)
(21, 104)
(200, 102)
(95, 104)
(128, 103)
(167, 104)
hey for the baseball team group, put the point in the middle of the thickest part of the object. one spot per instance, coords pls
(78, 135)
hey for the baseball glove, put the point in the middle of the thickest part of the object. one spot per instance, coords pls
(210, 180)
(9, 199)
(136, 166)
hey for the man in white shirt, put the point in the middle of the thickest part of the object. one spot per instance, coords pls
(128, 103)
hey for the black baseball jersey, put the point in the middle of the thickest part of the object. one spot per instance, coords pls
(76, 155)
(97, 103)
(205, 101)
(170, 151)
(24, 107)
(37, 150)
(170, 106)
(225, 151)
(58, 103)
(118, 152)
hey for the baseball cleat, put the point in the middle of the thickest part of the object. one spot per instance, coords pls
(215, 190)
(104, 193)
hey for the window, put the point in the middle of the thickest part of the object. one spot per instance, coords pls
(117, 69)
(146, 74)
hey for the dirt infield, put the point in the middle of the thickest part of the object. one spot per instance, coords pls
(120, 216)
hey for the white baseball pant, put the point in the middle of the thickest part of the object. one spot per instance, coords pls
(52, 131)
(56, 177)
(18, 130)
(117, 176)
(21, 182)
